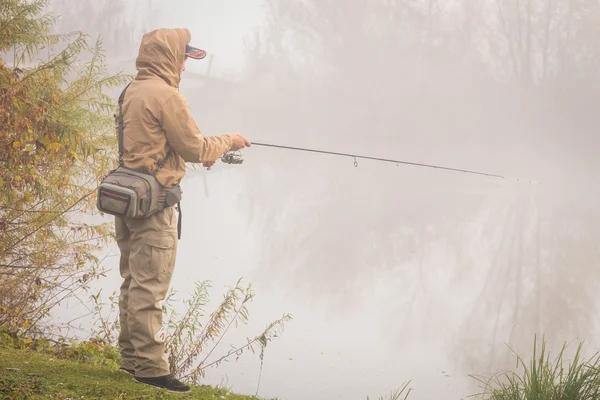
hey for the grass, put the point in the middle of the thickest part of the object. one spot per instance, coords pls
(400, 394)
(544, 379)
(34, 375)
(90, 371)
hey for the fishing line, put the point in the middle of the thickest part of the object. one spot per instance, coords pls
(397, 162)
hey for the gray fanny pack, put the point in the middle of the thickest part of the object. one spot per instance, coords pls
(131, 194)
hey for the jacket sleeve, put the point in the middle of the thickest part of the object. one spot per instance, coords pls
(185, 137)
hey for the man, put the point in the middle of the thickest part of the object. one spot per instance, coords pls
(156, 119)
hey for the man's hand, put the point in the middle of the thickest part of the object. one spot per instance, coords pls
(208, 164)
(238, 142)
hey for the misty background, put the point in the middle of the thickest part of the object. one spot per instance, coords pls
(393, 273)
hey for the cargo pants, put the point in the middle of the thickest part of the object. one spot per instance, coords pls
(148, 252)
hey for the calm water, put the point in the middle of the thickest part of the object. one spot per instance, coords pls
(377, 298)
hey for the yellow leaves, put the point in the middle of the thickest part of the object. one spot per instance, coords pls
(26, 325)
(45, 140)
(54, 146)
(22, 145)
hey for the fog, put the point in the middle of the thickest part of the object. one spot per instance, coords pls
(392, 272)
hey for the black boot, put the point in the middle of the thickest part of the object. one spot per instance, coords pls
(165, 382)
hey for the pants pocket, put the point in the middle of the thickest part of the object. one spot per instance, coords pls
(160, 250)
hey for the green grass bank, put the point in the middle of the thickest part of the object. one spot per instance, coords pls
(36, 375)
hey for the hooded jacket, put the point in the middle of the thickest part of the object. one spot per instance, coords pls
(156, 116)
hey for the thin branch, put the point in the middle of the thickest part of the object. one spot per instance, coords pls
(237, 313)
(26, 9)
(234, 351)
(53, 219)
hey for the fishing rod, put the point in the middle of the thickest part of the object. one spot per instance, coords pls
(236, 157)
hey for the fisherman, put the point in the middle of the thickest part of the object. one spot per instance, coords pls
(157, 126)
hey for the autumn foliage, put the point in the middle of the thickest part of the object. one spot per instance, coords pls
(56, 140)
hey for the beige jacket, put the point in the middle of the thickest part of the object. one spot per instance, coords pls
(156, 115)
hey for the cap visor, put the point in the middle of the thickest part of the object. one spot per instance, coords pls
(195, 53)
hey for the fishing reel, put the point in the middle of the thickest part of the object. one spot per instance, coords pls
(232, 157)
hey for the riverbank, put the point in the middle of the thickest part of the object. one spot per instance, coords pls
(36, 375)
(89, 370)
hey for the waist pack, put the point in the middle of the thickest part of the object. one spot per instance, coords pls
(127, 193)
(132, 194)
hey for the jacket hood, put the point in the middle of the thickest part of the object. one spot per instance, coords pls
(162, 54)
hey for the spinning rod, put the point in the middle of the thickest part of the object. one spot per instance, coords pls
(237, 158)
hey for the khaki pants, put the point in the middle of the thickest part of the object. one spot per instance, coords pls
(148, 251)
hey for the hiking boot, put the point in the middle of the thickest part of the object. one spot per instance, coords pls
(165, 382)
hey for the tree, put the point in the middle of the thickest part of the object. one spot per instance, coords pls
(535, 42)
(56, 141)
